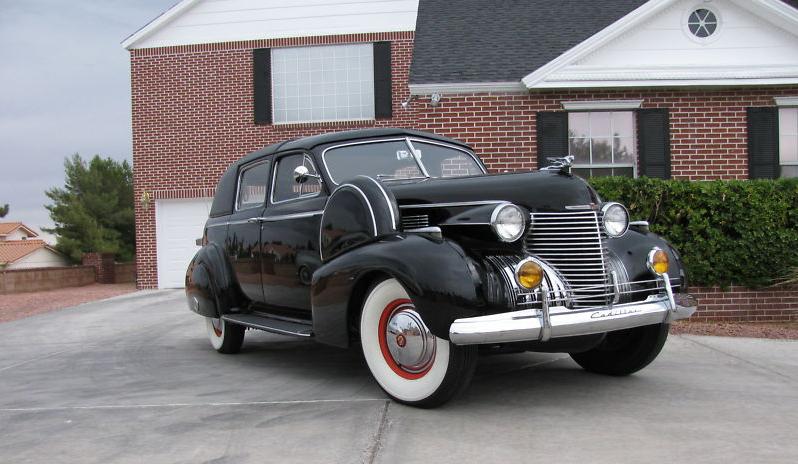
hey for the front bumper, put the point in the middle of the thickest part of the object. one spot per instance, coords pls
(559, 321)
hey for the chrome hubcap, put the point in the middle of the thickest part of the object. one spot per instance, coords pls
(410, 342)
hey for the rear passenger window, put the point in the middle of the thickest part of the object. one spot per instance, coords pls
(286, 188)
(252, 184)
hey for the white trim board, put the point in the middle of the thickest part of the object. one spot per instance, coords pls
(601, 105)
(192, 22)
(568, 70)
(468, 87)
(786, 101)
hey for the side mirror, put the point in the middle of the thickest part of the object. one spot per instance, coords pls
(301, 174)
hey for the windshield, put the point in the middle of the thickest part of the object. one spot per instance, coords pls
(393, 160)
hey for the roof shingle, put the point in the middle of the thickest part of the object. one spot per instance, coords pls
(461, 41)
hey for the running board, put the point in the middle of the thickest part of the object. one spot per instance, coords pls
(269, 324)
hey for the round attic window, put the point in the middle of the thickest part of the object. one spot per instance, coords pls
(702, 23)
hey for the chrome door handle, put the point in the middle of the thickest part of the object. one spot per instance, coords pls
(256, 220)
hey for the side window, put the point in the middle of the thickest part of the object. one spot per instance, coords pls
(252, 184)
(286, 188)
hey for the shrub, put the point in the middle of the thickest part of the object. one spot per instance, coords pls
(727, 232)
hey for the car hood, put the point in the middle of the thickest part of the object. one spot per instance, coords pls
(537, 191)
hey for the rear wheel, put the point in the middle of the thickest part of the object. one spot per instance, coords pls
(411, 365)
(624, 352)
(225, 336)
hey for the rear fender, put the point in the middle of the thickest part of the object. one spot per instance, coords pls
(211, 288)
(436, 273)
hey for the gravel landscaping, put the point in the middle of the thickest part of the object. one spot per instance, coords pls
(19, 305)
(772, 330)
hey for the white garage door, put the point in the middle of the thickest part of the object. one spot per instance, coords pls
(178, 224)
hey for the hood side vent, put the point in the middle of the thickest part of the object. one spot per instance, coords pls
(414, 221)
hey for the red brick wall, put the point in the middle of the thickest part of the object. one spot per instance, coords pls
(744, 304)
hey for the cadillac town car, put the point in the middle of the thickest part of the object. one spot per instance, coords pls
(401, 243)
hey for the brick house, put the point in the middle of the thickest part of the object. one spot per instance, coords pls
(692, 89)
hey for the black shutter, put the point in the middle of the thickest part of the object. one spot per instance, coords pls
(654, 142)
(763, 143)
(262, 85)
(383, 102)
(552, 134)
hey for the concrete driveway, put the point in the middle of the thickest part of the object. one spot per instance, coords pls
(133, 379)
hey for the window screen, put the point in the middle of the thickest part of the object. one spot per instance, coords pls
(328, 83)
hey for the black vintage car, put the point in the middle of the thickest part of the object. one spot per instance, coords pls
(399, 241)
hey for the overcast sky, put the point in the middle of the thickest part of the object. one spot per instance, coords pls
(64, 89)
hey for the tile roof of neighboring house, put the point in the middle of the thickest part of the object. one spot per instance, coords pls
(8, 227)
(14, 250)
(460, 41)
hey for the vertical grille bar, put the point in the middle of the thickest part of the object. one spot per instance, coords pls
(573, 242)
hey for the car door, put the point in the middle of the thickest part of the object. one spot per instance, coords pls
(243, 231)
(290, 235)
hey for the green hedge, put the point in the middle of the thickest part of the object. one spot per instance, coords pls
(728, 232)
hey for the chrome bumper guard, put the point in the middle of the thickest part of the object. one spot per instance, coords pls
(559, 321)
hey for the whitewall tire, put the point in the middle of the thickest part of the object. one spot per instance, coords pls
(225, 337)
(409, 363)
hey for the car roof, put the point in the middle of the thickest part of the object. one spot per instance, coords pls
(311, 142)
(225, 189)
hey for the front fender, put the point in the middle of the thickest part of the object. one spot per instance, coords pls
(436, 273)
(211, 288)
(633, 248)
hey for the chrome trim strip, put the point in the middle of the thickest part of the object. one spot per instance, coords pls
(387, 201)
(284, 217)
(281, 217)
(453, 204)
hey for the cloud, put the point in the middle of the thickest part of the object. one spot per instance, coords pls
(64, 89)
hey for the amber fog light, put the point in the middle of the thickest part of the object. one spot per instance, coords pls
(658, 261)
(529, 274)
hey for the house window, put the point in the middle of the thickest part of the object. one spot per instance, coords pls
(603, 143)
(788, 141)
(327, 83)
(702, 23)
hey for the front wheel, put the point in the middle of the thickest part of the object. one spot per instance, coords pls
(624, 352)
(411, 365)
(225, 336)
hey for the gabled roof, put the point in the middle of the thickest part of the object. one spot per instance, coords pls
(14, 250)
(472, 45)
(8, 227)
(503, 40)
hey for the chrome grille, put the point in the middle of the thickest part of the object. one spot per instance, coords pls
(572, 242)
(414, 221)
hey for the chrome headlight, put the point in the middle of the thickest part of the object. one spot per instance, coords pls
(507, 222)
(616, 219)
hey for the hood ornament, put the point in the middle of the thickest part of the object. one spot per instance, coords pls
(560, 164)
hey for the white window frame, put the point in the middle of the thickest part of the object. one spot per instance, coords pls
(330, 48)
(792, 108)
(626, 107)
